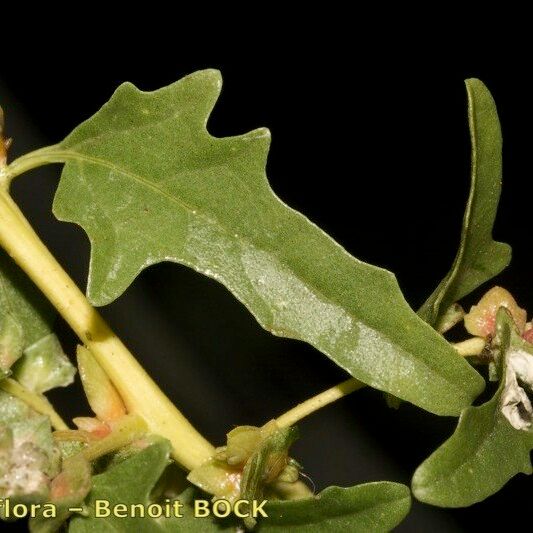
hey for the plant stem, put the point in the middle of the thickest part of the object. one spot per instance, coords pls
(317, 402)
(139, 392)
(36, 401)
(470, 347)
(35, 159)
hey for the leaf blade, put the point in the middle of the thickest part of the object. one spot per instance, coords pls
(206, 203)
(479, 257)
(378, 506)
(484, 452)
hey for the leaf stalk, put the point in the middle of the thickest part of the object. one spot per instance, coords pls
(315, 403)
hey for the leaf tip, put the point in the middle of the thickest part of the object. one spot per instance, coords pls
(421, 487)
(476, 89)
(475, 83)
(209, 75)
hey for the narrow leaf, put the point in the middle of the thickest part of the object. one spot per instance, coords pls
(479, 258)
(102, 395)
(372, 507)
(486, 450)
(148, 183)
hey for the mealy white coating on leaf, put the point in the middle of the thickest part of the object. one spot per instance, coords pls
(308, 314)
(515, 404)
(522, 363)
(25, 473)
(369, 341)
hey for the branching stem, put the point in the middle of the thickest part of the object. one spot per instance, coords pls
(317, 402)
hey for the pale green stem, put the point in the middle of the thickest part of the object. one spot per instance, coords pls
(140, 393)
(124, 431)
(470, 347)
(36, 401)
(317, 402)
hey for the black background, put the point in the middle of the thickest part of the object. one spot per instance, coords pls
(370, 141)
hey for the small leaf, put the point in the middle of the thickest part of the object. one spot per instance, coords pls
(479, 258)
(371, 507)
(132, 482)
(44, 366)
(148, 183)
(102, 396)
(29, 458)
(485, 451)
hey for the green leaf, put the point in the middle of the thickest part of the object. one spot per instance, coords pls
(29, 457)
(479, 258)
(44, 366)
(148, 183)
(371, 507)
(132, 482)
(22, 303)
(11, 343)
(486, 450)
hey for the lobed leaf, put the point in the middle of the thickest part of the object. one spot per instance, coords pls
(148, 183)
(479, 257)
